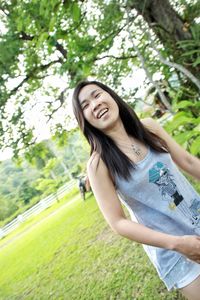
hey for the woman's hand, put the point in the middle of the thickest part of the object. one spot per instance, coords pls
(189, 245)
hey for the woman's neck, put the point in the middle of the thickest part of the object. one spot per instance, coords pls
(118, 133)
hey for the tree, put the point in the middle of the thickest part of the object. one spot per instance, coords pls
(22, 186)
(26, 192)
(169, 26)
(77, 39)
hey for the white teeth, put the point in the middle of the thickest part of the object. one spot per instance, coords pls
(100, 114)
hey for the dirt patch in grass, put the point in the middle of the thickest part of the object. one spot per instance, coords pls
(107, 236)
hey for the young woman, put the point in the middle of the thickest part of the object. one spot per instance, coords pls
(134, 162)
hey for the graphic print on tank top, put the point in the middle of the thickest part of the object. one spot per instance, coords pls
(160, 175)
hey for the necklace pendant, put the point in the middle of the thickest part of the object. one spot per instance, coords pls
(136, 150)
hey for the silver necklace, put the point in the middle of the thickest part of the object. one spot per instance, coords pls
(137, 150)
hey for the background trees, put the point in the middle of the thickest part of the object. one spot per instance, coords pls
(42, 172)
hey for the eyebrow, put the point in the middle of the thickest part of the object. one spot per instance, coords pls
(91, 95)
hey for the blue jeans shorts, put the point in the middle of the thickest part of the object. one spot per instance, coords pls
(183, 273)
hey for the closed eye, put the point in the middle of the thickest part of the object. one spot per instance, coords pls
(97, 95)
(86, 105)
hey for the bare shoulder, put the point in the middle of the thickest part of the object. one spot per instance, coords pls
(151, 124)
(180, 156)
(95, 165)
(93, 161)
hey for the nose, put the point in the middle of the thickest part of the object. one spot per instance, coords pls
(95, 104)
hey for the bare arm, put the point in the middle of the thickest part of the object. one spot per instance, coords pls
(181, 157)
(112, 211)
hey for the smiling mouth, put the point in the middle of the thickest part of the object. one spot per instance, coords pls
(102, 113)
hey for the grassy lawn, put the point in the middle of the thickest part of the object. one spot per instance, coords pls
(31, 221)
(73, 254)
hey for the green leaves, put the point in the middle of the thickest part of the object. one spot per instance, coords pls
(185, 128)
(60, 136)
(184, 104)
(191, 47)
(76, 12)
(185, 136)
(43, 37)
(196, 62)
(180, 119)
(195, 147)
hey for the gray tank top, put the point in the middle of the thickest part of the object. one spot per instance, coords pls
(160, 197)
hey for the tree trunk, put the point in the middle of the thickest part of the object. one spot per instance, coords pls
(168, 26)
(162, 18)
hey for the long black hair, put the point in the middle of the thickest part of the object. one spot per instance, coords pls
(116, 161)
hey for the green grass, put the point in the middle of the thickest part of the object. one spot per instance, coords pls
(22, 209)
(35, 219)
(73, 254)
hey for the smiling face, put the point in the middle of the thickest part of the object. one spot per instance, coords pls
(99, 108)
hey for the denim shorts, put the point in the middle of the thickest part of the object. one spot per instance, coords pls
(183, 273)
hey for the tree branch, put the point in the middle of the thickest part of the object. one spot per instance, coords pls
(61, 49)
(115, 57)
(61, 99)
(73, 28)
(112, 33)
(148, 74)
(179, 67)
(3, 11)
(32, 75)
(24, 36)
